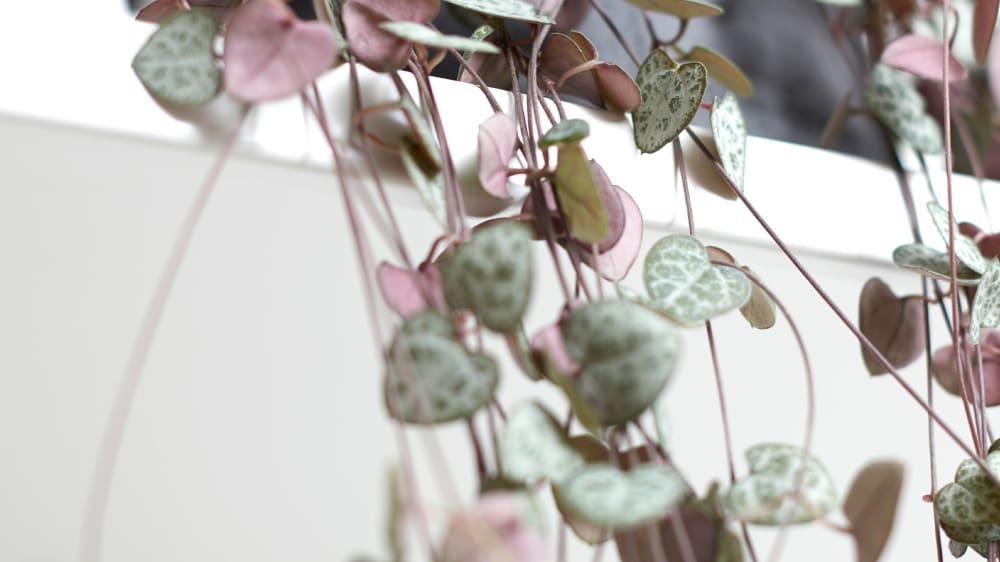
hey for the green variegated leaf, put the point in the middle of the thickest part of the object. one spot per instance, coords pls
(765, 496)
(893, 98)
(616, 499)
(425, 35)
(568, 131)
(730, 133)
(969, 507)
(433, 379)
(627, 353)
(723, 70)
(491, 275)
(683, 284)
(657, 61)
(986, 306)
(506, 9)
(683, 9)
(579, 195)
(932, 263)
(177, 64)
(670, 99)
(966, 250)
(532, 447)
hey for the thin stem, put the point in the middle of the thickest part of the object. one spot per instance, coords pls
(114, 432)
(726, 431)
(865, 342)
(615, 31)
(478, 449)
(931, 445)
(682, 169)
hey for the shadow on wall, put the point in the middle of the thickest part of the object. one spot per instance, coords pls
(783, 46)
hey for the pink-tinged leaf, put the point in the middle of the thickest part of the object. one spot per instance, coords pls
(983, 23)
(922, 56)
(497, 142)
(548, 347)
(570, 14)
(617, 90)
(159, 10)
(870, 507)
(615, 263)
(993, 72)
(943, 367)
(494, 530)
(408, 292)
(613, 206)
(270, 53)
(894, 325)
(374, 47)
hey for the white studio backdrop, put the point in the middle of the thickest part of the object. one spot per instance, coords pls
(258, 432)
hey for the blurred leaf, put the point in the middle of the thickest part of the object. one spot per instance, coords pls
(683, 9)
(615, 499)
(759, 311)
(496, 144)
(579, 195)
(870, 507)
(984, 22)
(627, 353)
(730, 134)
(893, 98)
(894, 325)
(765, 496)
(533, 447)
(986, 306)
(177, 64)
(922, 56)
(567, 131)
(615, 262)
(506, 9)
(491, 274)
(723, 70)
(427, 181)
(425, 35)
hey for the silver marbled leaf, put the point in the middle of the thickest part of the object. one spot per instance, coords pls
(532, 446)
(177, 64)
(628, 354)
(986, 306)
(765, 496)
(683, 283)
(966, 250)
(969, 507)
(932, 263)
(730, 133)
(670, 99)
(893, 98)
(491, 274)
(616, 499)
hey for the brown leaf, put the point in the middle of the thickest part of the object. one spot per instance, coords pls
(870, 507)
(724, 70)
(759, 310)
(895, 326)
(983, 21)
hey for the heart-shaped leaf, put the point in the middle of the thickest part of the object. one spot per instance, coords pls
(723, 70)
(932, 263)
(966, 250)
(498, 527)
(177, 64)
(683, 9)
(615, 262)
(567, 131)
(497, 142)
(548, 348)
(432, 378)
(616, 499)
(409, 292)
(922, 56)
(579, 195)
(532, 447)
(870, 507)
(270, 53)
(375, 47)
(986, 306)
(944, 369)
(425, 35)
(159, 10)
(893, 98)
(766, 495)
(670, 99)
(568, 60)
(972, 501)
(506, 9)
(730, 133)
(894, 325)
(491, 275)
(683, 284)
(628, 354)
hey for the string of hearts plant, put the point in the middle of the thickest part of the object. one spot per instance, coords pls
(609, 351)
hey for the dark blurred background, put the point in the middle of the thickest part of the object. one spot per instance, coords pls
(783, 46)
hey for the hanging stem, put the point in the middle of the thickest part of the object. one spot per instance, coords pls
(114, 430)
